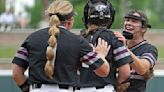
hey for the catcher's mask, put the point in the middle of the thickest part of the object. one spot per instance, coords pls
(98, 12)
(142, 18)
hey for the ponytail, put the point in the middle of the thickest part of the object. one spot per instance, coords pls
(51, 49)
(56, 11)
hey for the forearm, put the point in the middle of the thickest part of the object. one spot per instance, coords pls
(18, 74)
(20, 78)
(139, 65)
(123, 73)
(104, 69)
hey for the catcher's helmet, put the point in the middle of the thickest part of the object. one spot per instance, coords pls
(142, 17)
(99, 12)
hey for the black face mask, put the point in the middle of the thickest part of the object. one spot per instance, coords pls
(127, 35)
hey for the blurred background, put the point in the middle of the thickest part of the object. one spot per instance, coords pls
(33, 11)
(25, 16)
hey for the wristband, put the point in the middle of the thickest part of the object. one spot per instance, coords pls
(25, 86)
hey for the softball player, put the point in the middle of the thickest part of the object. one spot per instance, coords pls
(53, 54)
(144, 55)
(98, 16)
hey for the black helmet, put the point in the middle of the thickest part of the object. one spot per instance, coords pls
(99, 12)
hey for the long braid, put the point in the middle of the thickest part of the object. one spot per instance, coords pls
(53, 32)
(62, 7)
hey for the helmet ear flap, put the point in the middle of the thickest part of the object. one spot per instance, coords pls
(112, 14)
(85, 13)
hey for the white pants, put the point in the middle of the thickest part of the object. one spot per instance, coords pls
(50, 88)
(107, 88)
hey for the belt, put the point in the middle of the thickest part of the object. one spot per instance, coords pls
(98, 87)
(60, 86)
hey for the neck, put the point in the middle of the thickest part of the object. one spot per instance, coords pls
(65, 26)
(133, 42)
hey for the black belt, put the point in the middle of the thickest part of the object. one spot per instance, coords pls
(99, 87)
(60, 86)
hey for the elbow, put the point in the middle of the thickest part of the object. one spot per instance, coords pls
(141, 72)
(124, 76)
(15, 75)
(102, 73)
(105, 73)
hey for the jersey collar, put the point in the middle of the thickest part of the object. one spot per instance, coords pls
(138, 45)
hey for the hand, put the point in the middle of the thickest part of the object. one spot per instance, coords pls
(102, 48)
(149, 74)
(120, 37)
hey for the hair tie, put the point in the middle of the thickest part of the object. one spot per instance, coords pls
(50, 14)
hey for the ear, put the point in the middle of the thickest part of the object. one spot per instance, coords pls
(69, 24)
(144, 30)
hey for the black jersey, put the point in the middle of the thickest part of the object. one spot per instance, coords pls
(71, 49)
(117, 56)
(146, 51)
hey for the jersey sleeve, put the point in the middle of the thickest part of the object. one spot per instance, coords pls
(21, 56)
(151, 55)
(121, 54)
(88, 56)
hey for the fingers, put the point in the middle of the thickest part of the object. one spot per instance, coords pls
(108, 48)
(102, 47)
(99, 42)
(102, 43)
(118, 34)
(120, 37)
(92, 46)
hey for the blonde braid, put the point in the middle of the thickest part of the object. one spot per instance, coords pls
(62, 7)
(53, 32)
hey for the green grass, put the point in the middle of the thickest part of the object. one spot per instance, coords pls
(7, 51)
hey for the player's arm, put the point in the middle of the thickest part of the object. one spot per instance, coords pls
(19, 66)
(18, 74)
(96, 61)
(122, 57)
(123, 73)
(20, 78)
(141, 66)
(102, 49)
